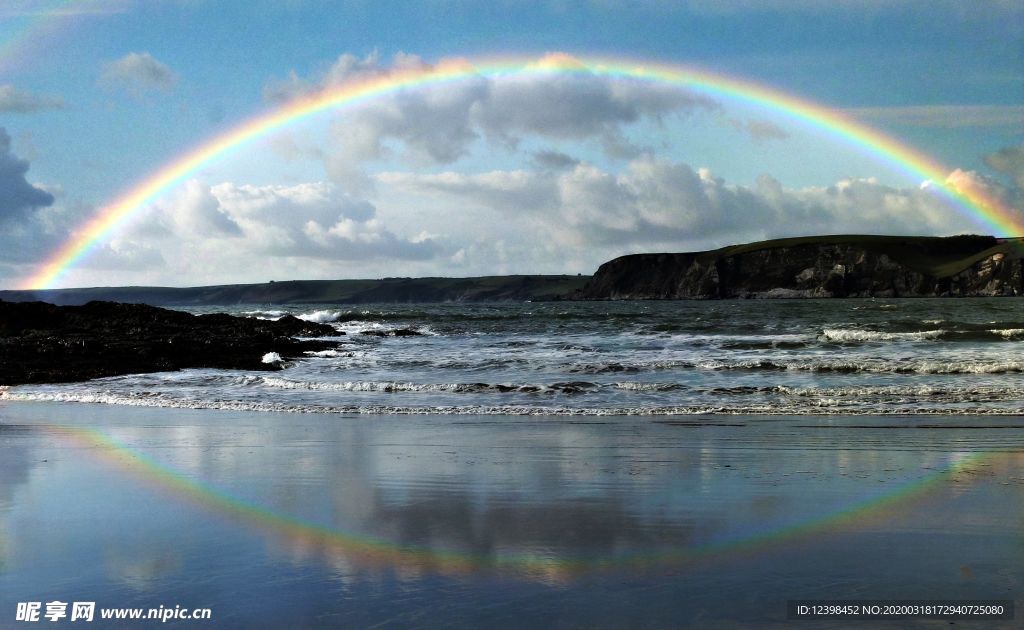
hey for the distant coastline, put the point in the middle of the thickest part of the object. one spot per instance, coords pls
(803, 267)
(514, 288)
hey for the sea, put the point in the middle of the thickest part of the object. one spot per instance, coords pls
(555, 465)
(863, 357)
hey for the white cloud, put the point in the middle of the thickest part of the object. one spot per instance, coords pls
(314, 220)
(138, 72)
(1008, 200)
(232, 232)
(196, 211)
(309, 220)
(126, 254)
(13, 100)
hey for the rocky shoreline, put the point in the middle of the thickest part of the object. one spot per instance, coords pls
(43, 343)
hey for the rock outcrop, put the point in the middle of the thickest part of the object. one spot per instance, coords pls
(43, 343)
(820, 267)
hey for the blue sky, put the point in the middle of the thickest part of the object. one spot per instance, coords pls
(95, 95)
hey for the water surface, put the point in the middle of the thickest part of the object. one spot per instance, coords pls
(304, 520)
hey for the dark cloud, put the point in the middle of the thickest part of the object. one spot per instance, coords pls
(762, 130)
(438, 123)
(13, 100)
(18, 198)
(577, 106)
(554, 160)
(1010, 161)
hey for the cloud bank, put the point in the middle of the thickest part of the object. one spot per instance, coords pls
(534, 220)
(657, 203)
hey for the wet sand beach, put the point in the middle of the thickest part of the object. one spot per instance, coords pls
(305, 520)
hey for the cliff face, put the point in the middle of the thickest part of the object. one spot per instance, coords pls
(854, 266)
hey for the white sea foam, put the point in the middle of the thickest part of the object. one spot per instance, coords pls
(1008, 333)
(272, 357)
(856, 334)
(820, 407)
(396, 386)
(648, 387)
(325, 354)
(267, 314)
(950, 392)
(321, 317)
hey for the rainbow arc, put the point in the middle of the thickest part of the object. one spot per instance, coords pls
(972, 201)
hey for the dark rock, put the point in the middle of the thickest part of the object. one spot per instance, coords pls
(820, 267)
(43, 343)
(398, 332)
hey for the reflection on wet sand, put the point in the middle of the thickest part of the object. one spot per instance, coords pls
(550, 503)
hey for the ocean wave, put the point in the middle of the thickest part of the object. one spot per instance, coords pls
(321, 317)
(965, 332)
(327, 354)
(875, 366)
(799, 364)
(634, 386)
(264, 314)
(1008, 333)
(158, 400)
(629, 367)
(952, 393)
(855, 334)
(572, 387)
(442, 315)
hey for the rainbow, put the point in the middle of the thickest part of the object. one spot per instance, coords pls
(28, 29)
(969, 200)
(367, 552)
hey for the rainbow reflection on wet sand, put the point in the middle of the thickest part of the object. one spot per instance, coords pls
(503, 521)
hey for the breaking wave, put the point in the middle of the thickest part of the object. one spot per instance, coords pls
(856, 335)
(156, 400)
(573, 387)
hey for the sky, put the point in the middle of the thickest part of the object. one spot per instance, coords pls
(492, 174)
